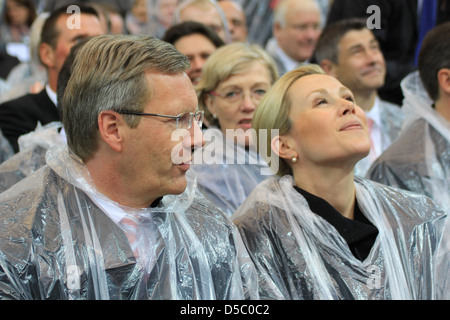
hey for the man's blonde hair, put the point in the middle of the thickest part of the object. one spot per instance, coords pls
(109, 74)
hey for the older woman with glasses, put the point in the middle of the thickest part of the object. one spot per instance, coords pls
(318, 232)
(234, 79)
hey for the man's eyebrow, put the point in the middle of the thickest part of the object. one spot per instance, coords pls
(354, 47)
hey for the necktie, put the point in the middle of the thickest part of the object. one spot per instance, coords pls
(426, 22)
(130, 224)
(372, 154)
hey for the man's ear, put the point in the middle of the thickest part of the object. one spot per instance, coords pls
(47, 55)
(276, 28)
(109, 125)
(444, 80)
(282, 146)
(329, 67)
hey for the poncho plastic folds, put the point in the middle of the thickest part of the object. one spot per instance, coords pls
(227, 172)
(299, 255)
(56, 242)
(419, 160)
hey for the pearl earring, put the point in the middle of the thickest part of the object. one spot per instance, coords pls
(214, 116)
(294, 159)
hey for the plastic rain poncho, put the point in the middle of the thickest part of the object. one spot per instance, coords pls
(33, 146)
(226, 171)
(6, 151)
(390, 121)
(299, 255)
(419, 160)
(56, 242)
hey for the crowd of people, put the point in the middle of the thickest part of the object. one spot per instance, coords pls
(230, 149)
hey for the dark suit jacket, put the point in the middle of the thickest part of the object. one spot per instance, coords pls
(7, 63)
(21, 115)
(397, 35)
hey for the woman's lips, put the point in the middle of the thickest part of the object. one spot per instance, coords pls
(351, 125)
(245, 123)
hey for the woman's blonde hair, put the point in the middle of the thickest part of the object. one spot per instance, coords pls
(273, 111)
(227, 61)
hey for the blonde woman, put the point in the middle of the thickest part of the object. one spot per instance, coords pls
(318, 232)
(234, 79)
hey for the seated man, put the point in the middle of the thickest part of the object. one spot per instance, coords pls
(22, 115)
(111, 216)
(296, 28)
(419, 160)
(34, 145)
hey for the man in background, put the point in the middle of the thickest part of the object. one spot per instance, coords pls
(22, 115)
(296, 28)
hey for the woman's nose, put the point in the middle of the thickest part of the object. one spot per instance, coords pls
(248, 102)
(346, 107)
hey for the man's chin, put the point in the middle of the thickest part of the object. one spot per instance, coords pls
(179, 186)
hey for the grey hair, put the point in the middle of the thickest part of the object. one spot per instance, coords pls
(279, 16)
(203, 4)
(109, 74)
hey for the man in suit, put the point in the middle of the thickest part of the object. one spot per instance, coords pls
(115, 213)
(349, 51)
(7, 63)
(419, 160)
(296, 28)
(22, 115)
(398, 34)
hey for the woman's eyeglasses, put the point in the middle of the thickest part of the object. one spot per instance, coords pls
(238, 95)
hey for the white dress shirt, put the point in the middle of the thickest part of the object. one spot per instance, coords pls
(375, 135)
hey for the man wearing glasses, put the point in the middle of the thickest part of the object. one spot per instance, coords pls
(111, 216)
(296, 28)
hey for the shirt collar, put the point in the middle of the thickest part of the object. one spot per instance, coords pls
(288, 62)
(51, 94)
(374, 113)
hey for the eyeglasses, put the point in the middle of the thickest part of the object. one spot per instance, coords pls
(183, 120)
(238, 94)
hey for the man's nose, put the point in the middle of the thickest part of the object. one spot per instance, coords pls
(197, 138)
